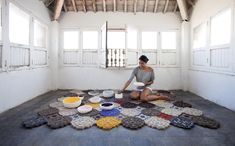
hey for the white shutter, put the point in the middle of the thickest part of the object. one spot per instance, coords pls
(103, 51)
(132, 52)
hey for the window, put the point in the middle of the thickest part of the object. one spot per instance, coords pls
(168, 40)
(116, 39)
(71, 40)
(149, 40)
(90, 40)
(200, 36)
(221, 28)
(18, 25)
(132, 40)
(39, 34)
(116, 47)
(0, 20)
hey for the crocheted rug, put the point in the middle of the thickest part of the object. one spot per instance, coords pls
(146, 105)
(182, 104)
(55, 121)
(133, 114)
(113, 112)
(128, 105)
(48, 111)
(108, 123)
(130, 112)
(150, 112)
(83, 122)
(132, 123)
(182, 122)
(158, 123)
(34, 121)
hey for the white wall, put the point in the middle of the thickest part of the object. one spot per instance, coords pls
(17, 87)
(96, 78)
(219, 88)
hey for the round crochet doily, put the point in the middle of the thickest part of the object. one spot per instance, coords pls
(143, 117)
(113, 112)
(162, 103)
(146, 105)
(192, 111)
(67, 112)
(150, 112)
(182, 104)
(93, 105)
(55, 121)
(130, 112)
(165, 116)
(91, 113)
(206, 122)
(76, 116)
(129, 105)
(56, 104)
(48, 111)
(132, 122)
(108, 123)
(34, 121)
(83, 122)
(172, 111)
(156, 122)
(182, 122)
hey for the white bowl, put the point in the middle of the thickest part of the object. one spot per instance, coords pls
(93, 93)
(108, 93)
(138, 84)
(107, 106)
(73, 104)
(118, 96)
(84, 109)
(95, 99)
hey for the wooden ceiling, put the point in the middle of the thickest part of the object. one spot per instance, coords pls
(126, 6)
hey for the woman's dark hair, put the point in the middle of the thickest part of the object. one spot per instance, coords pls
(144, 58)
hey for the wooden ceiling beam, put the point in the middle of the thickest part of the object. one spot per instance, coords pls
(166, 6)
(114, 6)
(84, 5)
(74, 6)
(155, 7)
(104, 5)
(183, 9)
(125, 5)
(48, 2)
(94, 5)
(176, 6)
(135, 5)
(58, 8)
(145, 5)
(65, 7)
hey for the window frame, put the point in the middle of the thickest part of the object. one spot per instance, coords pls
(230, 70)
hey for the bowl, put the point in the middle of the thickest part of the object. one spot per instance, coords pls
(107, 106)
(118, 96)
(95, 99)
(84, 109)
(72, 102)
(108, 93)
(138, 84)
(93, 93)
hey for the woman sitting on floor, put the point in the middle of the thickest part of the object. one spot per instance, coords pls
(144, 74)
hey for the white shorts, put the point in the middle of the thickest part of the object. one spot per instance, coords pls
(140, 90)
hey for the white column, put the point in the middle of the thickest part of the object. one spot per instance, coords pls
(53, 53)
(185, 53)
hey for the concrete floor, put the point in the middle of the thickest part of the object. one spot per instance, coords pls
(12, 134)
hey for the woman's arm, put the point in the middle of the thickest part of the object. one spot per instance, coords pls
(126, 85)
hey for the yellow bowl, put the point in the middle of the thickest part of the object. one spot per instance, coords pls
(72, 102)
